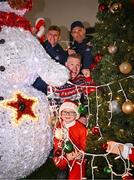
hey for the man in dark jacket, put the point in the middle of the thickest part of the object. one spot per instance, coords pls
(55, 51)
(52, 46)
(81, 45)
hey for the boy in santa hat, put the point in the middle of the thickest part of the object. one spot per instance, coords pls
(70, 141)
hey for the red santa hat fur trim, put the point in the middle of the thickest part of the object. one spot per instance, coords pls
(70, 105)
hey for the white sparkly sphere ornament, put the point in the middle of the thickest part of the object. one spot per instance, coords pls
(128, 107)
(125, 68)
(114, 106)
(112, 49)
(25, 136)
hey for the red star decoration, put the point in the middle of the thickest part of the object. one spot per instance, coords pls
(22, 106)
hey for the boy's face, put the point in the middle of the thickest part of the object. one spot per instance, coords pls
(74, 66)
(68, 115)
(53, 37)
(78, 34)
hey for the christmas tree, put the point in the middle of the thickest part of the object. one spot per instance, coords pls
(111, 107)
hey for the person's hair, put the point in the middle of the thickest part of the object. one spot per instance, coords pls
(75, 55)
(55, 28)
(76, 24)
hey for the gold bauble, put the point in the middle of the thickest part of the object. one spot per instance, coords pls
(125, 68)
(115, 7)
(128, 107)
(112, 49)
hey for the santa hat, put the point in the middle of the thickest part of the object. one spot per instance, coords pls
(70, 105)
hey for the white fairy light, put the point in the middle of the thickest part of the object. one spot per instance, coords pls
(123, 91)
(111, 96)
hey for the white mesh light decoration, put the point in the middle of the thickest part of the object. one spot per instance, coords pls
(25, 140)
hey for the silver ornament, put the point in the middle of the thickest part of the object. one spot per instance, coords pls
(114, 106)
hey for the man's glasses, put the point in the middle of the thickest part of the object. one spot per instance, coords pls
(70, 113)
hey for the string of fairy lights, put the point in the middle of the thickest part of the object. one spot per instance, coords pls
(83, 154)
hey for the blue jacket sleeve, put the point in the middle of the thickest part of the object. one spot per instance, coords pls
(40, 85)
(87, 58)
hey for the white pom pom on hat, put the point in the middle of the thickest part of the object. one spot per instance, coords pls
(70, 105)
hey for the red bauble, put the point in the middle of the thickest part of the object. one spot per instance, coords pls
(58, 152)
(97, 58)
(95, 131)
(92, 89)
(102, 7)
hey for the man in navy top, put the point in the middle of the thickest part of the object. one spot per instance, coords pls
(52, 46)
(55, 51)
(81, 45)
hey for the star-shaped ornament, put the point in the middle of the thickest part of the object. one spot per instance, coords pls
(23, 107)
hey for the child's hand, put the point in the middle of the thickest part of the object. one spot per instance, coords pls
(74, 155)
(86, 72)
(70, 156)
(79, 155)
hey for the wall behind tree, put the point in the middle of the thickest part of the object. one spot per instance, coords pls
(64, 12)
